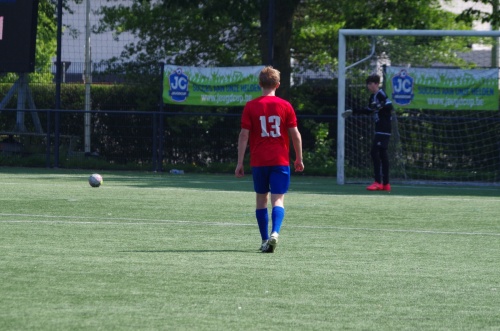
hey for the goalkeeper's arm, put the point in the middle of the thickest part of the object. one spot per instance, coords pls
(362, 111)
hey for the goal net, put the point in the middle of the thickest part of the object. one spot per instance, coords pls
(444, 88)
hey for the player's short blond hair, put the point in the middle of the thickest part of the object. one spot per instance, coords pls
(269, 77)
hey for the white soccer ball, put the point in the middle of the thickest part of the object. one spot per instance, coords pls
(95, 180)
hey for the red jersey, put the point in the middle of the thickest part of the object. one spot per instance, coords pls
(268, 119)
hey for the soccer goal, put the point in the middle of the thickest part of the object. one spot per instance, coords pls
(444, 87)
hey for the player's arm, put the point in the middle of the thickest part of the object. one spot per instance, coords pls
(358, 110)
(242, 147)
(297, 145)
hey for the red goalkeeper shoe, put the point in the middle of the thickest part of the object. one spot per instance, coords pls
(386, 187)
(375, 187)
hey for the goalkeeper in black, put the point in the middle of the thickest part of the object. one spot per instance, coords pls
(381, 108)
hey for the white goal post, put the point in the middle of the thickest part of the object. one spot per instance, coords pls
(344, 66)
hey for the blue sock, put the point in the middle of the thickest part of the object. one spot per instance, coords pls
(278, 215)
(263, 222)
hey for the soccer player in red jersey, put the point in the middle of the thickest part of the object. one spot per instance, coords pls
(267, 123)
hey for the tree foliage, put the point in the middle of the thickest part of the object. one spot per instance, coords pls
(220, 33)
(317, 24)
(473, 14)
(46, 41)
(232, 33)
(229, 33)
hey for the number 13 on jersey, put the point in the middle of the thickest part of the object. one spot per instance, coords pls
(274, 127)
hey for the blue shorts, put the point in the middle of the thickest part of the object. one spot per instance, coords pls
(275, 179)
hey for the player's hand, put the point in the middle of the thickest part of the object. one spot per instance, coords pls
(299, 165)
(240, 171)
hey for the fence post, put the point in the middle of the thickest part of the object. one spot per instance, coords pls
(162, 120)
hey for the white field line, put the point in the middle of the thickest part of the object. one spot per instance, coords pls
(142, 222)
(405, 197)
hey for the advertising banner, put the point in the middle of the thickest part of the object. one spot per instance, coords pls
(219, 86)
(444, 89)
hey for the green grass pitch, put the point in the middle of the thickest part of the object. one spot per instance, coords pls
(180, 252)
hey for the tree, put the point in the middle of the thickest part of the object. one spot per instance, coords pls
(471, 14)
(317, 23)
(46, 42)
(281, 38)
(229, 33)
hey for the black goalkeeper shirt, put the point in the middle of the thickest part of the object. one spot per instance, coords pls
(381, 107)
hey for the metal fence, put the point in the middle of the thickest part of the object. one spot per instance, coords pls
(132, 140)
